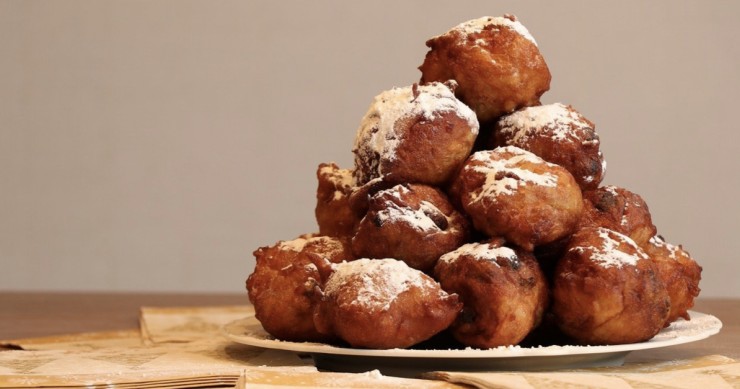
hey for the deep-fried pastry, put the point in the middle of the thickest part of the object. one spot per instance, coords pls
(383, 304)
(333, 213)
(359, 198)
(420, 134)
(679, 272)
(620, 210)
(281, 288)
(495, 61)
(529, 192)
(413, 223)
(606, 290)
(503, 291)
(559, 134)
(513, 193)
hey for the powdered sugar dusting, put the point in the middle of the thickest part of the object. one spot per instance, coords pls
(377, 281)
(673, 250)
(481, 251)
(417, 218)
(629, 203)
(699, 324)
(608, 253)
(414, 217)
(379, 137)
(557, 121)
(504, 176)
(475, 26)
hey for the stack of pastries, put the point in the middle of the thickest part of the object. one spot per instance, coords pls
(474, 213)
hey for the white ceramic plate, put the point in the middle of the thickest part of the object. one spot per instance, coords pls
(410, 361)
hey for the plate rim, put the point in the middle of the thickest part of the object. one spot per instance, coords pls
(474, 353)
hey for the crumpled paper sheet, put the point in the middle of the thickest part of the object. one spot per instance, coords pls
(175, 348)
(82, 342)
(294, 379)
(185, 324)
(182, 348)
(715, 372)
(213, 360)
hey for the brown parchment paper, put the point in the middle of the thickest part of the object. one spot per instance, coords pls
(185, 324)
(213, 358)
(715, 371)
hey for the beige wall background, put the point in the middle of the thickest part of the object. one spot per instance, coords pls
(153, 145)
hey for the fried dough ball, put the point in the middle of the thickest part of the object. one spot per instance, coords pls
(333, 212)
(679, 272)
(383, 304)
(513, 193)
(420, 133)
(413, 223)
(494, 60)
(359, 198)
(558, 134)
(282, 285)
(606, 290)
(620, 210)
(503, 291)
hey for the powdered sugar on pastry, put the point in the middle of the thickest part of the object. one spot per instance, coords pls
(377, 281)
(673, 250)
(628, 204)
(378, 136)
(608, 253)
(557, 121)
(481, 251)
(475, 26)
(504, 176)
(417, 218)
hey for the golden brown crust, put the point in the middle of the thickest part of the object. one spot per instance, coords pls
(606, 290)
(418, 134)
(333, 213)
(495, 62)
(281, 288)
(512, 193)
(558, 134)
(413, 223)
(679, 273)
(620, 210)
(503, 291)
(383, 304)
(520, 177)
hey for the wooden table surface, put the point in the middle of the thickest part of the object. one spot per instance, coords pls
(26, 315)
